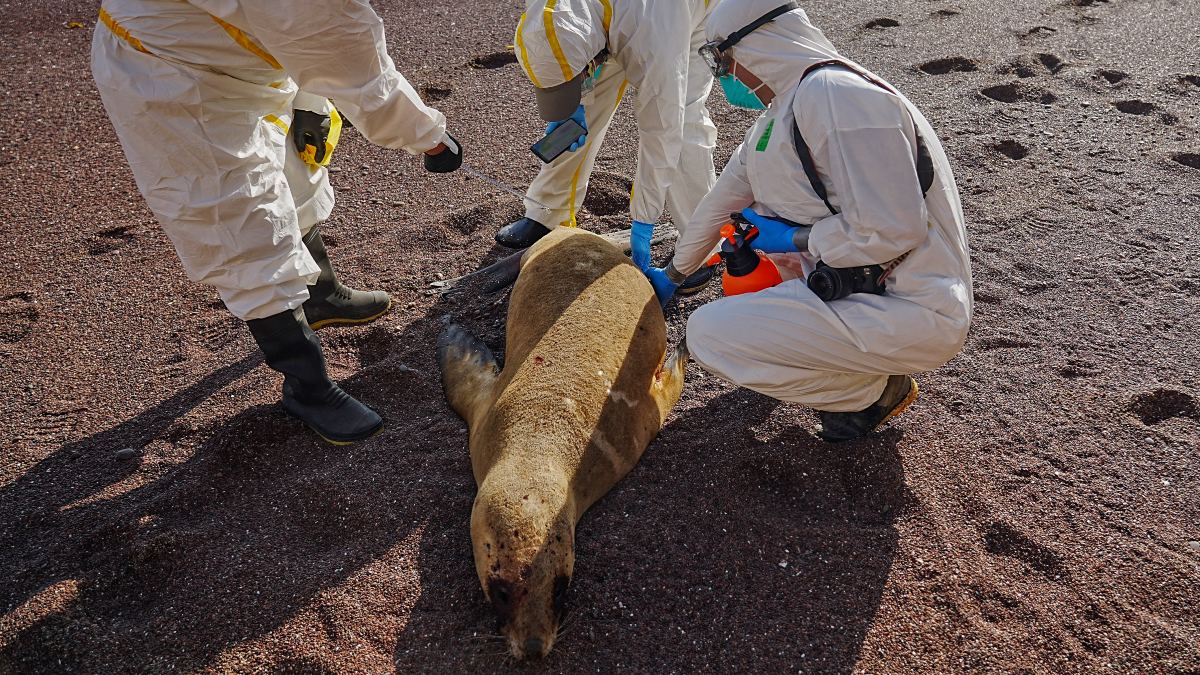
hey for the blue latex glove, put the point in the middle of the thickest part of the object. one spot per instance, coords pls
(664, 288)
(580, 115)
(639, 243)
(773, 235)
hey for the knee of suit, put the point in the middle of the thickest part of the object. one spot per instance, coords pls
(706, 332)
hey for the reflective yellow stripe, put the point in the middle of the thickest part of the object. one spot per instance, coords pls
(552, 38)
(608, 14)
(575, 178)
(119, 30)
(525, 54)
(247, 43)
(277, 122)
(574, 185)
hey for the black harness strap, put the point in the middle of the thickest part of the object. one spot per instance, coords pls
(924, 161)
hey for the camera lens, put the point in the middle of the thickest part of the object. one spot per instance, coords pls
(827, 285)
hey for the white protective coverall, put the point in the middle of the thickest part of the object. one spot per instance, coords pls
(201, 94)
(653, 46)
(784, 341)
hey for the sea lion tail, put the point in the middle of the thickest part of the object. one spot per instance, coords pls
(468, 370)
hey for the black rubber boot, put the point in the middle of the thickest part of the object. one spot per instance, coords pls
(332, 303)
(898, 394)
(697, 281)
(521, 233)
(291, 348)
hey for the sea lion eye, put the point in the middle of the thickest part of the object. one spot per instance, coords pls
(561, 583)
(501, 594)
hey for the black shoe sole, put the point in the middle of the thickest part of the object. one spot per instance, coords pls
(697, 287)
(895, 412)
(332, 440)
(342, 321)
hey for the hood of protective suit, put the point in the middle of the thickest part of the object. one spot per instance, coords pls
(778, 52)
(555, 41)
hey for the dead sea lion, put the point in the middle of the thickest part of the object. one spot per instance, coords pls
(585, 387)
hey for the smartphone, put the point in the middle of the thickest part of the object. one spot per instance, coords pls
(556, 142)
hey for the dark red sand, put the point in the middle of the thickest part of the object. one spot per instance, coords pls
(1036, 510)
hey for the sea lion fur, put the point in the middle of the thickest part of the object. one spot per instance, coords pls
(585, 387)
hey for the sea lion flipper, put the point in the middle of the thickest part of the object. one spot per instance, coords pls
(468, 370)
(503, 273)
(669, 379)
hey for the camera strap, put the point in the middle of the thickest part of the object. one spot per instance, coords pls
(925, 172)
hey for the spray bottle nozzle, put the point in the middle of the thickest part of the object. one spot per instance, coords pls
(736, 234)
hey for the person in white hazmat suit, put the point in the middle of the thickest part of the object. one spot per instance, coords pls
(873, 154)
(203, 95)
(580, 55)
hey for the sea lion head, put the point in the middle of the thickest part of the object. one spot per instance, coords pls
(524, 547)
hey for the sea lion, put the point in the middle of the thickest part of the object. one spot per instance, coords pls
(585, 387)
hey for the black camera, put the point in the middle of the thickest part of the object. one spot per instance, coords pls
(835, 283)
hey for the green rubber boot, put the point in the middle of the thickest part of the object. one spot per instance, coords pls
(898, 394)
(332, 303)
(291, 348)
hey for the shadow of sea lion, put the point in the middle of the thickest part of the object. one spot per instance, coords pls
(680, 566)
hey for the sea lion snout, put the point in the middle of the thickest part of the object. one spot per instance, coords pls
(524, 554)
(534, 648)
(528, 616)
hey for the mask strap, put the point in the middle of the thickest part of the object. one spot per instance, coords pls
(758, 23)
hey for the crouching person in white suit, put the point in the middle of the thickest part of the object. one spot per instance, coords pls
(840, 171)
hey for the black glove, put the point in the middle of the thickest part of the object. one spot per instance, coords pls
(310, 128)
(447, 160)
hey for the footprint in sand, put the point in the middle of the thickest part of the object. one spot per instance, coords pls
(56, 419)
(219, 331)
(881, 23)
(468, 220)
(1032, 65)
(1135, 107)
(1001, 341)
(494, 60)
(1188, 159)
(1039, 31)
(1011, 149)
(107, 241)
(1077, 368)
(1017, 92)
(1142, 108)
(1004, 540)
(950, 64)
(1161, 405)
(432, 93)
(1113, 77)
(18, 314)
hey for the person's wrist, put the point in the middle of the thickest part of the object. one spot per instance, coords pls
(673, 275)
(800, 238)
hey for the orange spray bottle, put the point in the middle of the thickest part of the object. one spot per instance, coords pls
(745, 270)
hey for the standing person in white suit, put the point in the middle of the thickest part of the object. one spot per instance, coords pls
(230, 156)
(580, 55)
(872, 155)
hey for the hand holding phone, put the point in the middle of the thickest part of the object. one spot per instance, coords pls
(561, 136)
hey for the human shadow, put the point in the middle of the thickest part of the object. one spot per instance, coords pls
(740, 542)
(260, 524)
